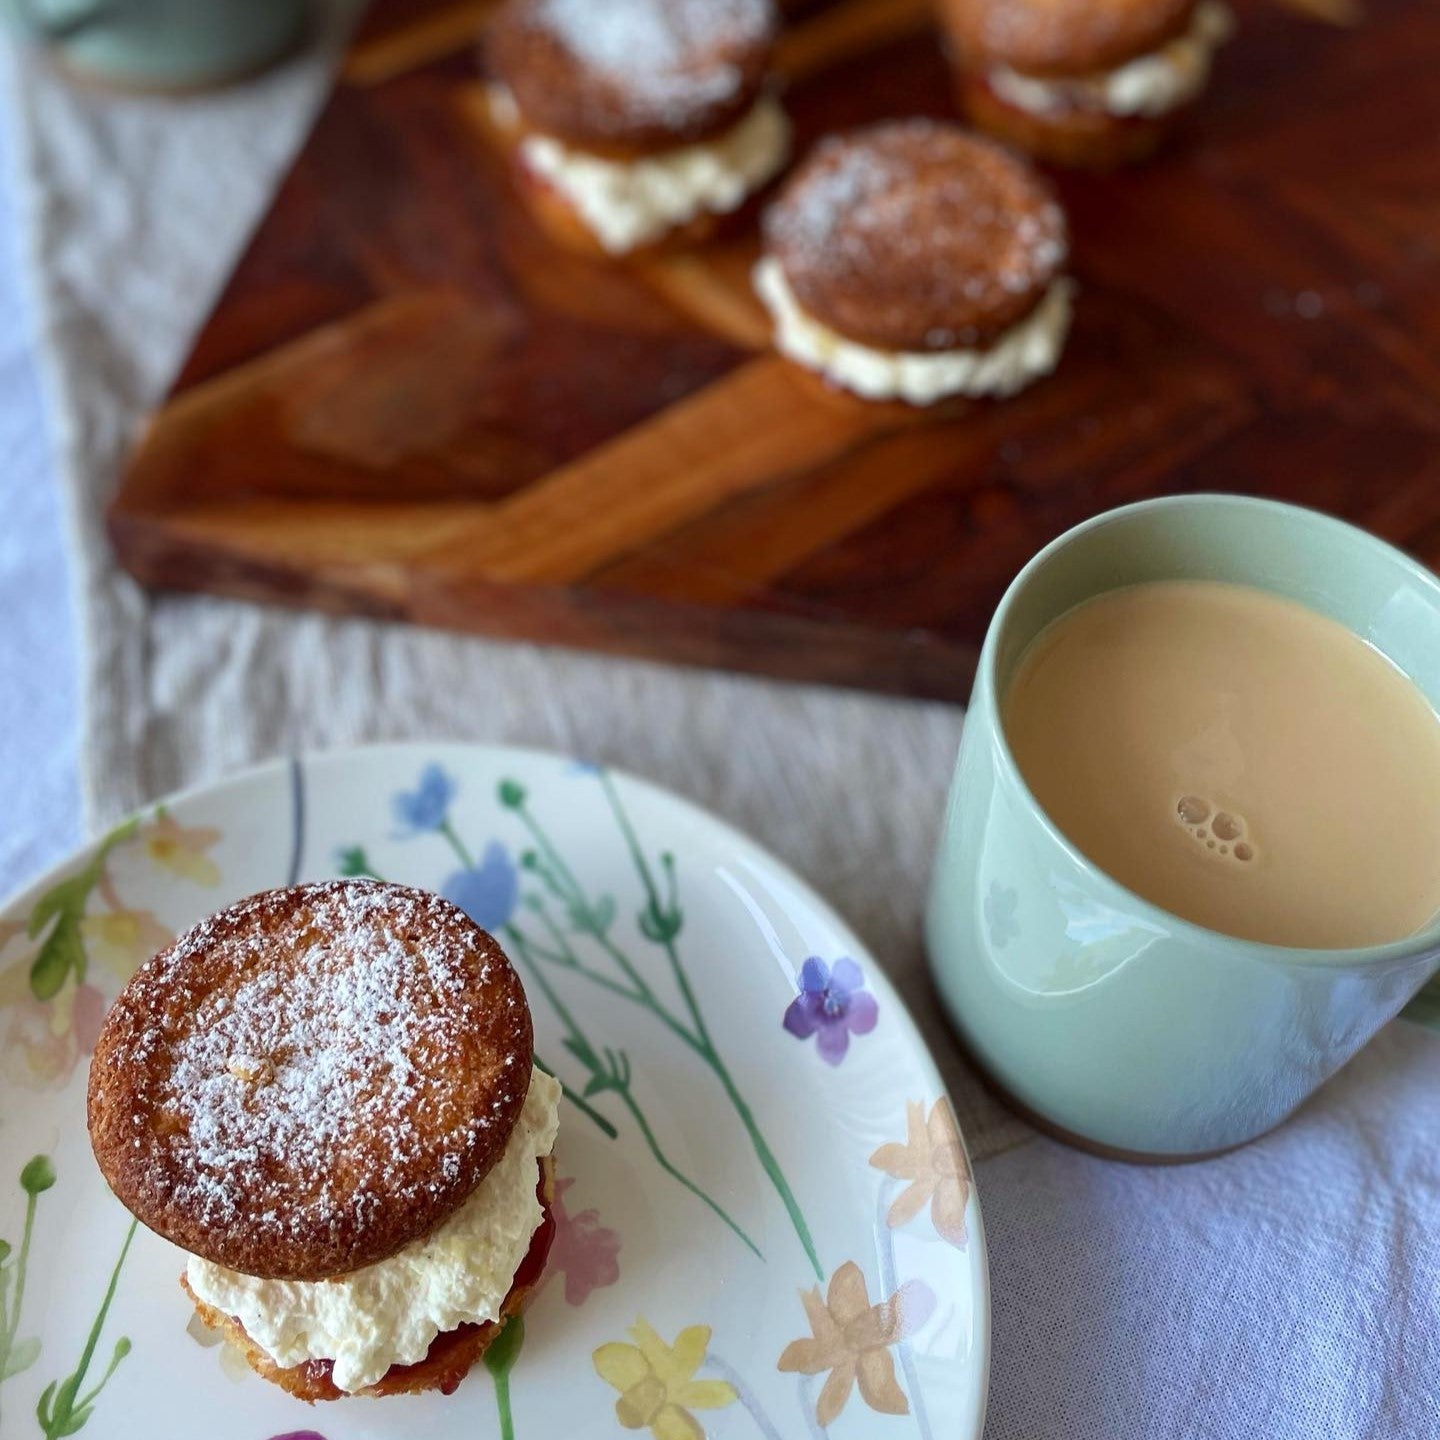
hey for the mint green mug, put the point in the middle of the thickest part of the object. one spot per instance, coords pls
(1109, 1020)
(161, 44)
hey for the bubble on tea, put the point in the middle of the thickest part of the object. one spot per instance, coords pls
(1222, 832)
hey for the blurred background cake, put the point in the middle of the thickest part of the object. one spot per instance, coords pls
(911, 261)
(637, 121)
(1095, 84)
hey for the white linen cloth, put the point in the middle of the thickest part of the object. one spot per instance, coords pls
(1290, 1290)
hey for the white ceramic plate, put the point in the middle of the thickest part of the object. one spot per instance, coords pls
(766, 1222)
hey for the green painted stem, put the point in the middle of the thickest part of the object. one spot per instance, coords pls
(588, 1110)
(771, 1165)
(115, 1359)
(646, 998)
(567, 959)
(11, 1322)
(500, 1360)
(761, 1146)
(698, 1038)
(663, 1161)
(22, 1262)
(580, 1102)
(88, 1353)
(65, 1407)
(502, 1404)
(457, 844)
(704, 1047)
(581, 901)
(522, 951)
(518, 938)
(547, 848)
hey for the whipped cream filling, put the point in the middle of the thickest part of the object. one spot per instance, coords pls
(628, 203)
(1151, 84)
(388, 1313)
(1024, 352)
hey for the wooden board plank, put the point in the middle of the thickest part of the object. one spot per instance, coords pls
(408, 403)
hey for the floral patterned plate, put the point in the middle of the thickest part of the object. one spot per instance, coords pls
(766, 1225)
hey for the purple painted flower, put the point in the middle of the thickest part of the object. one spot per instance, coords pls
(486, 892)
(428, 805)
(300, 1435)
(833, 1004)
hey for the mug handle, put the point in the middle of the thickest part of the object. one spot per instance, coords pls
(61, 27)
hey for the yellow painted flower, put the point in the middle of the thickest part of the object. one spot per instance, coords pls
(44, 1041)
(851, 1338)
(932, 1159)
(181, 850)
(123, 939)
(657, 1383)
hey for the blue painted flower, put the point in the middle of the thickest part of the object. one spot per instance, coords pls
(833, 1004)
(486, 892)
(427, 806)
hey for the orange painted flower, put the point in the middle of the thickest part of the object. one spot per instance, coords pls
(851, 1338)
(180, 849)
(932, 1159)
(15, 982)
(44, 1041)
(657, 1383)
(123, 940)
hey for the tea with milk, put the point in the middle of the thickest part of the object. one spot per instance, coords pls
(1237, 759)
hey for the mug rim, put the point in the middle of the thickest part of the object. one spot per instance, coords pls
(1407, 947)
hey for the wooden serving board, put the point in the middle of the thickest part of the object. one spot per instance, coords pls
(408, 404)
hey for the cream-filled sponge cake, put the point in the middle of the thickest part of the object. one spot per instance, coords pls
(1092, 85)
(912, 261)
(636, 122)
(326, 1095)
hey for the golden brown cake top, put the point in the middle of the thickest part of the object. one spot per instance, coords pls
(914, 235)
(632, 75)
(1062, 37)
(311, 1078)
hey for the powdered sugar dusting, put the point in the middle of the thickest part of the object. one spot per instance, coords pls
(926, 208)
(667, 57)
(311, 1081)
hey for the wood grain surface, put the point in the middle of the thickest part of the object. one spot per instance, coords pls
(408, 403)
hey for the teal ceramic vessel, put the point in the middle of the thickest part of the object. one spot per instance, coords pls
(1109, 1019)
(160, 44)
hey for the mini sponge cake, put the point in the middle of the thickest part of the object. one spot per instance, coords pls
(1094, 84)
(912, 261)
(636, 122)
(315, 1093)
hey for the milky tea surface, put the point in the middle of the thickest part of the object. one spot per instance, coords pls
(1236, 759)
